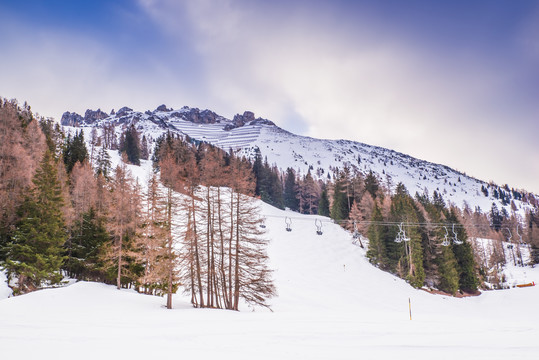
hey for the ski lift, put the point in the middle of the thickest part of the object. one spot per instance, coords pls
(401, 236)
(318, 224)
(398, 239)
(263, 223)
(288, 222)
(456, 240)
(404, 237)
(446, 242)
(355, 234)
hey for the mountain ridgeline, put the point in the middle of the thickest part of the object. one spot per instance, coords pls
(324, 160)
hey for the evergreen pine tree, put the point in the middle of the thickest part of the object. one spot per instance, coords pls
(371, 184)
(35, 254)
(323, 204)
(496, 218)
(103, 164)
(130, 144)
(74, 151)
(339, 209)
(464, 255)
(88, 237)
(290, 191)
(407, 256)
(449, 276)
(258, 171)
(376, 234)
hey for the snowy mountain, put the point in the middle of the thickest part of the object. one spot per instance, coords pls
(247, 134)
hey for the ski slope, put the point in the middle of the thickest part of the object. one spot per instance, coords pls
(331, 304)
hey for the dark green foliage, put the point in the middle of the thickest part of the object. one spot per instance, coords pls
(323, 204)
(84, 246)
(438, 200)
(449, 276)
(103, 164)
(533, 236)
(496, 218)
(339, 209)
(258, 171)
(406, 258)
(268, 183)
(35, 253)
(371, 184)
(144, 150)
(464, 255)
(74, 151)
(377, 234)
(130, 144)
(290, 195)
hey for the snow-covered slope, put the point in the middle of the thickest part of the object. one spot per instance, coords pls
(245, 133)
(331, 304)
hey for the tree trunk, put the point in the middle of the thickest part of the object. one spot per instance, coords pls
(170, 261)
(118, 278)
(230, 300)
(237, 257)
(197, 258)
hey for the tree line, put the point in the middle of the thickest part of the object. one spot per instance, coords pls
(194, 226)
(374, 208)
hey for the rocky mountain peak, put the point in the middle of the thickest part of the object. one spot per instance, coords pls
(92, 116)
(248, 118)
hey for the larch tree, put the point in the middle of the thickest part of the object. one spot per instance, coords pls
(22, 145)
(251, 276)
(83, 198)
(121, 221)
(152, 243)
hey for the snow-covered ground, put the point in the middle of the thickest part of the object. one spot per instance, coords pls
(332, 304)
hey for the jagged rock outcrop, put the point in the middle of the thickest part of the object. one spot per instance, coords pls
(163, 108)
(160, 116)
(248, 118)
(71, 119)
(91, 116)
(123, 111)
(196, 116)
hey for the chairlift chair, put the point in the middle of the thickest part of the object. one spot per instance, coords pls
(355, 234)
(318, 224)
(446, 242)
(288, 222)
(456, 240)
(401, 236)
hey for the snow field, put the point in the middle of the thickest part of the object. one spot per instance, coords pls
(331, 304)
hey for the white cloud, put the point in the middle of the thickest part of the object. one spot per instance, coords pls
(57, 72)
(346, 82)
(338, 78)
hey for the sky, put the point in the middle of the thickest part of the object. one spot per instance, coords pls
(451, 82)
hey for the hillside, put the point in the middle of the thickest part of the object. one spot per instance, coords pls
(331, 303)
(247, 134)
